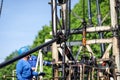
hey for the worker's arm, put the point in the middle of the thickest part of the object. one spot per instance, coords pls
(19, 71)
(38, 74)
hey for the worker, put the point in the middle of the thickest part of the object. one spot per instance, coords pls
(23, 68)
(32, 61)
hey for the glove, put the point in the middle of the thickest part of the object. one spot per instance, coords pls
(41, 74)
(47, 63)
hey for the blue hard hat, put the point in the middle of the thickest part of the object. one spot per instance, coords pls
(23, 50)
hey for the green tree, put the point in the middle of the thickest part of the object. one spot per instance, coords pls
(8, 70)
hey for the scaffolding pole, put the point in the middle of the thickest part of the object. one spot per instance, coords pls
(114, 23)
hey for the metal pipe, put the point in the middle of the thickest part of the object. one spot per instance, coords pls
(116, 47)
(83, 10)
(92, 30)
(118, 10)
(89, 12)
(1, 5)
(54, 17)
(54, 32)
(68, 17)
(64, 8)
(3, 64)
(102, 46)
(63, 61)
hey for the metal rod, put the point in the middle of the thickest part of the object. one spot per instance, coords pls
(102, 46)
(83, 10)
(1, 5)
(92, 30)
(89, 12)
(68, 17)
(116, 41)
(63, 16)
(54, 17)
(65, 24)
(65, 9)
(27, 53)
(63, 61)
(118, 10)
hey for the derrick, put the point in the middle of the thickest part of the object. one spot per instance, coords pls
(82, 63)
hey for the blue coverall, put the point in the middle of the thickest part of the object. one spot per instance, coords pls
(33, 60)
(24, 70)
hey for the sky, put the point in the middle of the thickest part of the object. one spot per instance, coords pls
(20, 22)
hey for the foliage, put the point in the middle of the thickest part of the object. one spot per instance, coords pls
(42, 36)
(76, 23)
(8, 70)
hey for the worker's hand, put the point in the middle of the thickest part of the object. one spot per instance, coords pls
(41, 74)
(33, 68)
